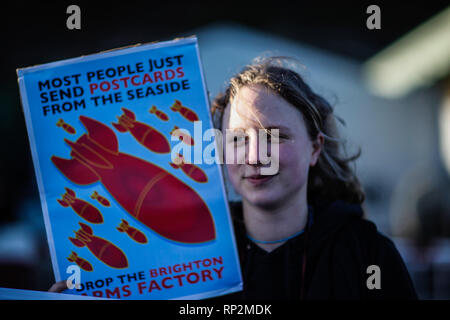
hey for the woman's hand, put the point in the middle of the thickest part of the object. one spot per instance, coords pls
(58, 286)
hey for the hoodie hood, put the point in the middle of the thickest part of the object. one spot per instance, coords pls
(332, 257)
(324, 222)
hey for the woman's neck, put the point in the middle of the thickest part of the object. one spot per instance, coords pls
(271, 224)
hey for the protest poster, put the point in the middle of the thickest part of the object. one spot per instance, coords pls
(116, 139)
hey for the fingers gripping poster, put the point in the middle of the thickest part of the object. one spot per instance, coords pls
(113, 137)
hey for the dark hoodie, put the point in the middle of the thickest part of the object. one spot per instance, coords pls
(328, 261)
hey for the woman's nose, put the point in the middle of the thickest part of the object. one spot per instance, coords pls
(258, 148)
(252, 150)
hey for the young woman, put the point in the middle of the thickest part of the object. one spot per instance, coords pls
(300, 231)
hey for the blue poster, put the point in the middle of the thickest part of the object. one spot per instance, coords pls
(129, 196)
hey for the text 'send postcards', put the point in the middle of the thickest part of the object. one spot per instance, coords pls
(130, 190)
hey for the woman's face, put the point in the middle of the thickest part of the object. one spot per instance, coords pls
(256, 107)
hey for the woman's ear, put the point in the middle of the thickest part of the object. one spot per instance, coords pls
(317, 148)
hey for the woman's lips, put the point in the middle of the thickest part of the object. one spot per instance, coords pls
(257, 180)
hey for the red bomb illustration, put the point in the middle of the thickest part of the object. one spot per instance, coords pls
(82, 263)
(67, 127)
(191, 170)
(82, 208)
(146, 135)
(187, 113)
(134, 233)
(161, 115)
(183, 136)
(101, 248)
(100, 199)
(143, 189)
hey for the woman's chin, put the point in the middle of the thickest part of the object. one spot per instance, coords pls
(263, 199)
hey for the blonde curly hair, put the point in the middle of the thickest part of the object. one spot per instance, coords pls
(331, 178)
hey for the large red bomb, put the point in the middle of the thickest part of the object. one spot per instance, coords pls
(147, 192)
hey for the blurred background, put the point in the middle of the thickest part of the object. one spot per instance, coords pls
(390, 85)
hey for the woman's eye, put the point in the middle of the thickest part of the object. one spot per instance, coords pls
(274, 136)
(238, 138)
